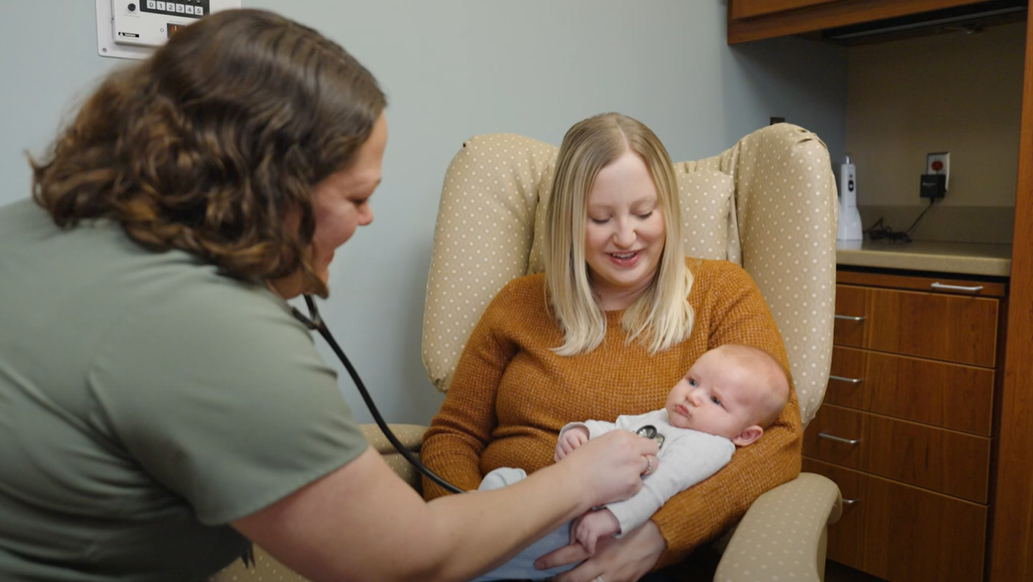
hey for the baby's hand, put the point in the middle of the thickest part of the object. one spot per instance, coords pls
(594, 525)
(570, 440)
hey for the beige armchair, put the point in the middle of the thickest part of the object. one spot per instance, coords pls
(768, 204)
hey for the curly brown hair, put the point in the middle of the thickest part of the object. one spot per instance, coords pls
(213, 145)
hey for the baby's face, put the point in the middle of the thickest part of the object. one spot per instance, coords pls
(715, 397)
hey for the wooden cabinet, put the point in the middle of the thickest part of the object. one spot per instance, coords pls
(759, 19)
(906, 428)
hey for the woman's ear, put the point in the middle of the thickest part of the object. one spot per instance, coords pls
(748, 435)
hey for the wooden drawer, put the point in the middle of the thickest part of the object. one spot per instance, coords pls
(928, 325)
(943, 460)
(949, 395)
(902, 533)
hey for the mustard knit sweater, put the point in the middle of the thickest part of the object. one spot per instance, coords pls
(511, 395)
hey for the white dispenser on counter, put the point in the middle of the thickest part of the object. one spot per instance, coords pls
(849, 227)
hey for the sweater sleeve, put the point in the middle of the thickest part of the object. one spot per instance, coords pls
(462, 428)
(737, 314)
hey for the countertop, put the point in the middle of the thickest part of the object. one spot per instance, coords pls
(944, 257)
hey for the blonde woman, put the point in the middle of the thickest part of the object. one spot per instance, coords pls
(616, 318)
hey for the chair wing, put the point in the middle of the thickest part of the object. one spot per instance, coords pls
(482, 239)
(785, 201)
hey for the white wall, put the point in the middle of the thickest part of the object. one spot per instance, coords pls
(452, 69)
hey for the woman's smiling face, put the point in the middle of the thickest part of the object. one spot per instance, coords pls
(624, 231)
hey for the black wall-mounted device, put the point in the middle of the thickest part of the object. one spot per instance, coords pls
(933, 186)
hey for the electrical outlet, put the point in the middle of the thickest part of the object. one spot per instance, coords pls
(939, 163)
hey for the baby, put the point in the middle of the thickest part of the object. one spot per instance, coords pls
(726, 400)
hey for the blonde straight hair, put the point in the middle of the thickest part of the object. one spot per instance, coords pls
(661, 316)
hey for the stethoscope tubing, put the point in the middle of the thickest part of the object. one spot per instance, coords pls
(316, 323)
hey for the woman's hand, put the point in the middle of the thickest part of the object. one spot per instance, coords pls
(617, 560)
(610, 467)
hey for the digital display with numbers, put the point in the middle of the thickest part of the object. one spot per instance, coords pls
(185, 8)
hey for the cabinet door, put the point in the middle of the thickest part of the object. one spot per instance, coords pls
(928, 325)
(942, 460)
(902, 533)
(949, 395)
(751, 8)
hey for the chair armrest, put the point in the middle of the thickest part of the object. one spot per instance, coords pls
(782, 536)
(265, 568)
(411, 437)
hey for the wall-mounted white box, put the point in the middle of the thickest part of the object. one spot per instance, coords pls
(132, 29)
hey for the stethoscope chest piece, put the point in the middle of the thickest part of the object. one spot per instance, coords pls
(649, 431)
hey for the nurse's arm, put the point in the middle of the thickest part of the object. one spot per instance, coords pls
(362, 522)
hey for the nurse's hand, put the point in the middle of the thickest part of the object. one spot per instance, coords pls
(623, 559)
(610, 467)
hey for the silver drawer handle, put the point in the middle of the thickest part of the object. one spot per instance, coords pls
(850, 380)
(826, 435)
(851, 317)
(850, 501)
(943, 287)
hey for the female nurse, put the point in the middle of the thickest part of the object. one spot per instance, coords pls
(160, 408)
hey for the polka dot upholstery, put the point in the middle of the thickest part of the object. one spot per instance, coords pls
(411, 437)
(265, 569)
(782, 535)
(482, 239)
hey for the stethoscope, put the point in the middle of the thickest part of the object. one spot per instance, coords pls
(315, 322)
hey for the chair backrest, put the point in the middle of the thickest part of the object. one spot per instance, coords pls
(768, 204)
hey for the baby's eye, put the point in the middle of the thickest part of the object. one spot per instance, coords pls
(715, 400)
(692, 382)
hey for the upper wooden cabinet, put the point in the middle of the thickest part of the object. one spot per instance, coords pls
(758, 19)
